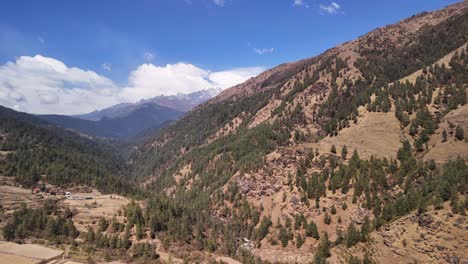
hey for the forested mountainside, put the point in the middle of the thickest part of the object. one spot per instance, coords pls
(259, 161)
(32, 149)
(137, 120)
(357, 155)
(131, 121)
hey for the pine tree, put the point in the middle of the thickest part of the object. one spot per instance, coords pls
(344, 152)
(283, 236)
(365, 229)
(312, 231)
(323, 250)
(140, 232)
(327, 219)
(9, 232)
(91, 236)
(299, 241)
(333, 149)
(103, 224)
(126, 243)
(353, 236)
(444, 135)
(459, 133)
(51, 229)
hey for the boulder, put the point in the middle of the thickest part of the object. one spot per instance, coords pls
(425, 220)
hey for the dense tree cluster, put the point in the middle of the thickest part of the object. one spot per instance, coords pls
(48, 222)
(63, 157)
(431, 44)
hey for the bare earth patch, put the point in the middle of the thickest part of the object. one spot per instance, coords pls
(26, 253)
(12, 197)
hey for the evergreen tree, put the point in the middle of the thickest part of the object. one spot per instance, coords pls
(344, 152)
(140, 232)
(353, 236)
(299, 241)
(312, 231)
(459, 133)
(323, 250)
(283, 236)
(90, 236)
(103, 224)
(327, 219)
(9, 231)
(333, 149)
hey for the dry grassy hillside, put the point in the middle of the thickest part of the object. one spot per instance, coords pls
(354, 140)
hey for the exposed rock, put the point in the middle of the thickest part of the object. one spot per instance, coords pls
(294, 200)
(425, 220)
(452, 259)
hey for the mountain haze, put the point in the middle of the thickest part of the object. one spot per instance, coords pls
(139, 118)
(129, 120)
(180, 102)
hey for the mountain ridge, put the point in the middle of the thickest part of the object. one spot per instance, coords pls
(129, 120)
(270, 142)
(179, 102)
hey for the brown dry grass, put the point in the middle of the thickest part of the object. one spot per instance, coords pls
(12, 197)
(88, 215)
(13, 259)
(374, 134)
(445, 236)
(440, 151)
(28, 251)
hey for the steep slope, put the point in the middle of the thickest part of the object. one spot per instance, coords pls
(140, 118)
(32, 149)
(325, 152)
(321, 95)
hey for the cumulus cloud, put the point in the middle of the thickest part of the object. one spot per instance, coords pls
(330, 9)
(45, 85)
(226, 79)
(263, 50)
(150, 80)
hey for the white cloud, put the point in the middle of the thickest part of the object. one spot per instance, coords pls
(330, 9)
(263, 50)
(106, 66)
(300, 3)
(45, 85)
(149, 80)
(226, 79)
(219, 2)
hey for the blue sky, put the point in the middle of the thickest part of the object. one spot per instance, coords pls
(114, 38)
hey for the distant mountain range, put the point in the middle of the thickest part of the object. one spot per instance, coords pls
(127, 120)
(180, 102)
